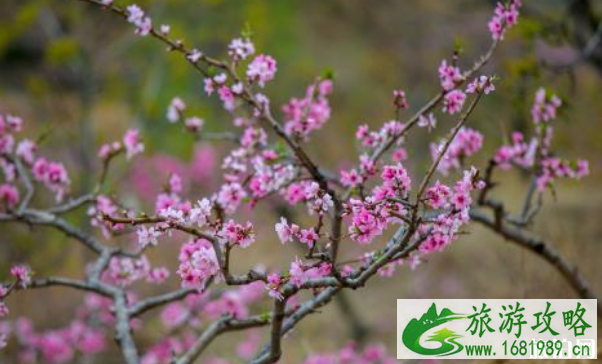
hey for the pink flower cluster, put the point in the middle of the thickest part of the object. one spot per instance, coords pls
(175, 112)
(137, 17)
(287, 232)
(241, 235)
(317, 200)
(9, 196)
(449, 76)
(184, 319)
(274, 281)
(545, 106)
(371, 216)
(453, 101)
(373, 139)
(148, 236)
(300, 272)
(466, 143)
(198, 264)
(132, 145)
(553, 167)
(429, 121)
(505, 16)
(53, 175)
(351, 178)
(519, 153)
(240, 49)
(536, 155)
(230, 196)
(124, 271)
(455, 205)
(482, 84)
(310, 113)
(22, 274)
(104, 206)
(59, 346)
(262, 69)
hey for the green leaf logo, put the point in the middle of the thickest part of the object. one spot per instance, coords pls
(416, 328)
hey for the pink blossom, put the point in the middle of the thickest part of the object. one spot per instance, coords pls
(53, 175)
(22, 274)
(132, 143)
(174, 314)
(438, 196)
(208, 86)
(147, 236)
(238, 88)
(466, 143)
(429, 122)
(55, 348)
(545, 106)
(368, 220)
(453, 101)
(137, 17)
(14, 123)
(230, 303)
(351, 178)
(220, 78)
(124, 271)
(9, 196)
(262, 69)
(164, 29)
(7, 143)
(157, 275)
(175, 109)
(399, 99)
(198, 263)
(504, 17)
(309, 237)
(194, 55)
(449, 76)
(399, 155)
(230, 197)
(300, 272)
(286, 232)
(582, 169)
(294, 193)
(26, 150)
(104, 206)
(310, 113)
(227, 96)
(175, 183)
(273, 286)
(480, 84)
(240, 49)
(200, 213)
(397, 175)
(238, 234)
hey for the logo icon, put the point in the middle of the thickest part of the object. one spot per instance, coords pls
(413, 332)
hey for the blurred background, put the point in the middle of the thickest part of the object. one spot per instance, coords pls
(80, 77)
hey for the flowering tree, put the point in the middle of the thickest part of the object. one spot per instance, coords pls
(398, 217)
